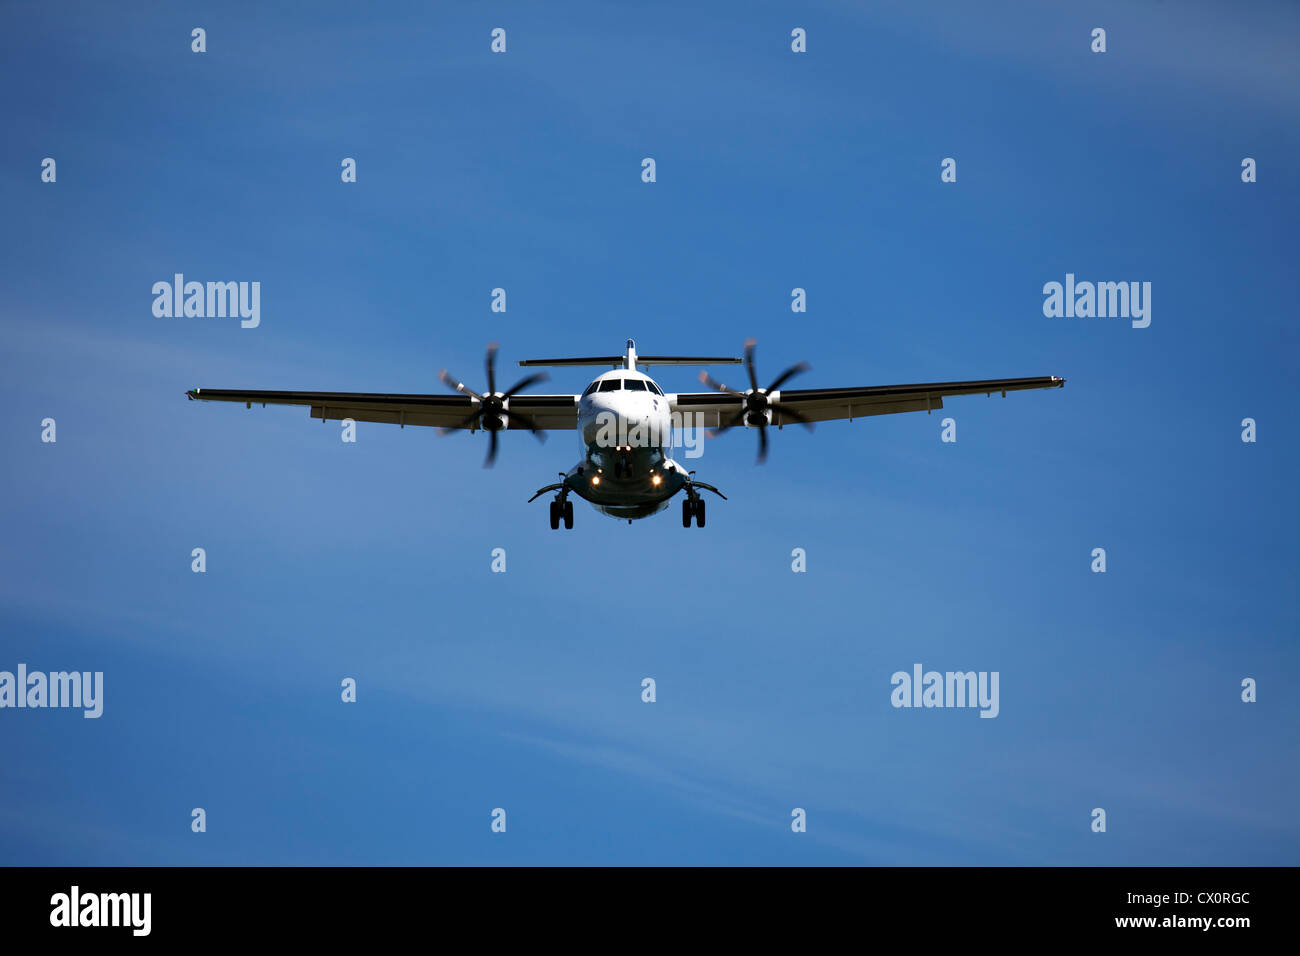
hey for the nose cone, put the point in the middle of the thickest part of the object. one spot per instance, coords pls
(603, 401)
(620, 417)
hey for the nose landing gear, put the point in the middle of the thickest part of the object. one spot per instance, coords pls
(623, 462)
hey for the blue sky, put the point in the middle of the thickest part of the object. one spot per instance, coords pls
(522, 690)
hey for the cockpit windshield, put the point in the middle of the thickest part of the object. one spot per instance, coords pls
(611, 385)
(634, 385)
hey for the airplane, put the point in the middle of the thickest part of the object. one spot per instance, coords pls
(625, 421)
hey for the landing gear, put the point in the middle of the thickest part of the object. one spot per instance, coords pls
(561, 507)
(562, 510)
(622, 463)
(693, 504)
(693, 508)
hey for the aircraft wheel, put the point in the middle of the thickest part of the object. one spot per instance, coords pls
(555, 515)
(686, 512)
(568, 515)
(699, 513)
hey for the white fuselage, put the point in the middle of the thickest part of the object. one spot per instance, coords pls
(624, 423)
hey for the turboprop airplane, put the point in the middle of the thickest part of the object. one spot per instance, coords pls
(625, 420)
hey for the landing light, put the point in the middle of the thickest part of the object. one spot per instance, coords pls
(595, 479)
(655, 480)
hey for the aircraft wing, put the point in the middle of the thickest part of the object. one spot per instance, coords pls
(826, 404)
(444, 411)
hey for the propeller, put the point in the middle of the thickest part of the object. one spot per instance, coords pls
(491, 414)
(755, 403)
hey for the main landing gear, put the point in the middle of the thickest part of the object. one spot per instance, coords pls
(693, 504)
(561, 507)
(562, 510)
(695, 508)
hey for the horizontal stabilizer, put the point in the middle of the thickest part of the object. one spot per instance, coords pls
(617, 361)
